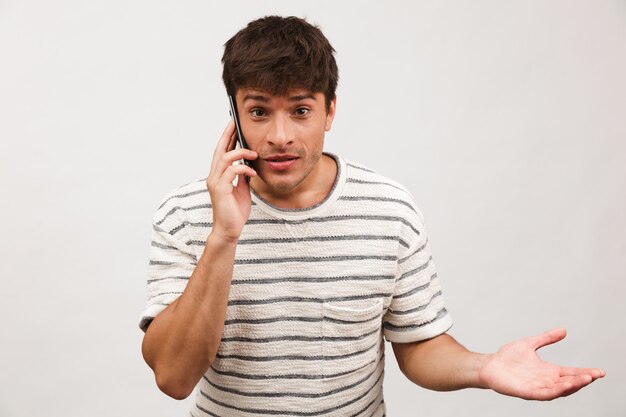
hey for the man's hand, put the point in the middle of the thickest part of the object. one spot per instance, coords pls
(231, 204)
(517, 370)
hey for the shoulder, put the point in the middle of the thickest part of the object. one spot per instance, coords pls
(178, 203)
(386, 199)
(365, 183)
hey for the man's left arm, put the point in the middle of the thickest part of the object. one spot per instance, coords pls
(442, 364)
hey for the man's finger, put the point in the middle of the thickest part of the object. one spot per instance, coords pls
(595, 373)
(576, 383)
(547, 338)
(227, 159)
(232, 171)
(563, 387)
(224, 142)
(243, 187)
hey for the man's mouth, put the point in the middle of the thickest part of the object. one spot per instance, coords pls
(281, 158)
(280, 162)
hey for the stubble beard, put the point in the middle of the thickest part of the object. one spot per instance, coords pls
(287, 187)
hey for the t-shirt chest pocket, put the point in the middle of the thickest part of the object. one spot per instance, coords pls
(350, 336)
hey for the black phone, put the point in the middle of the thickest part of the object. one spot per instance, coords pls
(235, 115)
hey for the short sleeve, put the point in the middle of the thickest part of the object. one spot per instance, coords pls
(417, 310)
(172, 262)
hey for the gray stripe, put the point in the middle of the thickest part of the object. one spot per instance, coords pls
(158, 229)
(309, 220)
(292, 319)
(192, 224)
(361, 168)
(295, 357)
(368, 406)
(287, 376)
(296, 338)
(416, 270)
(290, 412)
(330, 219)
(153, 262)
(391, 327)
(161, 263)
(274, 221)
(321, 239)
(358, 181)
(150, 281)
(418, 250)
(306, 299)
(185, 194)
(312, 279)
(176, 208)
(308, 239)
(385, 199)
(338, 258)
(416, 289)
(274, 320)
(416, 309)
(204, 410)
(162, 246)
(167, 293)
(292, 394)
(176, 229)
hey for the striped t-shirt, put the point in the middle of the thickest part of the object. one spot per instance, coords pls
(313, 293)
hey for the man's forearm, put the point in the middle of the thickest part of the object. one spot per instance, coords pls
(440, 364)
(182, 341)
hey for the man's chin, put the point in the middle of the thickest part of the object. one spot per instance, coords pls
(275, 186)
(281, 187)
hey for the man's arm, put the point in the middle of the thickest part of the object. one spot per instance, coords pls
(181, 342)
(442, 364)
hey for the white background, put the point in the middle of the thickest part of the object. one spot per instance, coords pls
(506, 119)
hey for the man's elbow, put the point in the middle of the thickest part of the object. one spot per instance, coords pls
(174, 387)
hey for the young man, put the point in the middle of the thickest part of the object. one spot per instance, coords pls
(274, 294)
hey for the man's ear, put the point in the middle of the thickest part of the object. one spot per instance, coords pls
(330, 116)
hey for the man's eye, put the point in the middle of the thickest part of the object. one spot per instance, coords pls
(302, 111)
(257, 112)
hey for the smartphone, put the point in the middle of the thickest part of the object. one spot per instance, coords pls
(235, 115)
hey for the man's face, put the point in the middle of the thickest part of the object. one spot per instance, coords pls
(288, 134)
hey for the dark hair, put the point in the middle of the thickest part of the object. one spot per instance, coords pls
(277, 54)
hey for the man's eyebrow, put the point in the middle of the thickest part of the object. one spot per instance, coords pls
(265, 99)
(255, 97)
(301, 97)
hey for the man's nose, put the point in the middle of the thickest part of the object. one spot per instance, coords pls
(280, 134)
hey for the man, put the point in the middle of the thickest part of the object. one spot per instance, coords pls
(272, 285)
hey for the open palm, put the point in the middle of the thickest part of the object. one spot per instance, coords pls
(517, 370)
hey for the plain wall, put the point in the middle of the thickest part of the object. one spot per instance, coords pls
(506, 120)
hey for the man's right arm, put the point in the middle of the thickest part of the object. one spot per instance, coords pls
(182, 341)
